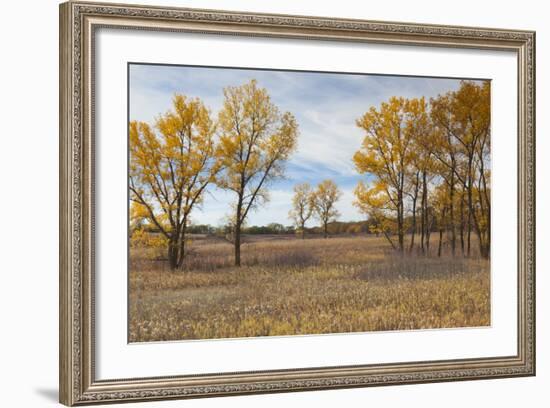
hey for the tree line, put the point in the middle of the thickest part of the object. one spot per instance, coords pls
(429, 160)
(273, 228)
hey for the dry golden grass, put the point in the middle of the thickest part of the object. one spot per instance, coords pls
(289, 286)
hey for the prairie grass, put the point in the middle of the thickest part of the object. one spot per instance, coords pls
(289, 286)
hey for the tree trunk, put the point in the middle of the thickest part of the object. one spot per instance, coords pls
(486, 212)
(462, 222)
(425, 225)
(428, 231)
(424, 205)
(237, 232)
(488, 239)
(400, 232)
(469, 237)
(470, 205)
(173, 253)
(480, 233)
(389, 240)
(325, 224)
(414, 225)
(238, 244)
(182, 253)
(401, 235)
(480, 237)
(441, 232)
(452, 215)
(488, 243)
(303, 231)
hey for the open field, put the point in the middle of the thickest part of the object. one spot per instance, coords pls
(289, 286)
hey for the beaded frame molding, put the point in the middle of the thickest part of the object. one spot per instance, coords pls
(78, 24)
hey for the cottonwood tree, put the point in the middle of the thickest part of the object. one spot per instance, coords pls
(302, 206)
(420, 130)
(421, 173)
(386, 153)
(324, 200)
(434, 156)
(463, 150)
(170, 169)
(446, 153)
(472, 113)
(256, 140)
(441, 204)
(482, 211)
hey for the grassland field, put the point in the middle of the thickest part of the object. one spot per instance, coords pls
(289, 286)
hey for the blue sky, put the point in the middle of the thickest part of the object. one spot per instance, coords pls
(325, 105)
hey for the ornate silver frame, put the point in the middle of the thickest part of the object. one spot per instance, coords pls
(78, 22)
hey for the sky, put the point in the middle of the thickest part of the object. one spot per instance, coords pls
(326, 106)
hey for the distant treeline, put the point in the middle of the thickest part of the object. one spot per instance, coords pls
(336, 227)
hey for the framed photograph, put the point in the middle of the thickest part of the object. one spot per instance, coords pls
(256, 203)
